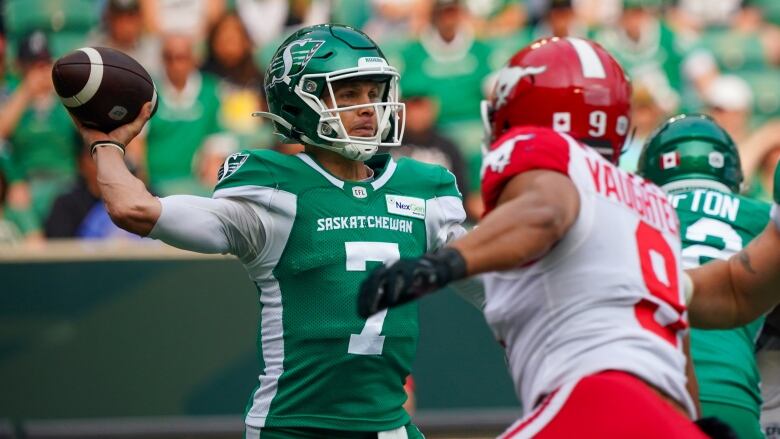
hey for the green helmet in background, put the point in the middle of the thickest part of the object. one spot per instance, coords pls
(301, 74)
(691, 151)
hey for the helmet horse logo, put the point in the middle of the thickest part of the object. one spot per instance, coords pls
(296, 54)
(508, 79)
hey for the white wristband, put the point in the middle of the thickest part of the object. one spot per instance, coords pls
(102, 143)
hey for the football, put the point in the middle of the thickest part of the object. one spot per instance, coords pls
(103, 88)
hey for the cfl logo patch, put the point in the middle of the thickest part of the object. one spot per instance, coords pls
(359, 192)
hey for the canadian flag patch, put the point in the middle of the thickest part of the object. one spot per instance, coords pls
(670, 160)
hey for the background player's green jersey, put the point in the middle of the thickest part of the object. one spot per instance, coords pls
(322, 365)
(716, 225)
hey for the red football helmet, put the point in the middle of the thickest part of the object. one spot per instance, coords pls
(571, 85)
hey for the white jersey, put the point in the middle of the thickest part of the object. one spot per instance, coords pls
(608, 296)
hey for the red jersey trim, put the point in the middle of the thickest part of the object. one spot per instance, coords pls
(520, 150)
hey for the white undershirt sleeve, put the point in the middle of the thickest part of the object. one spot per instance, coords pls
(208, 225)
(444, 222)
(444, 219)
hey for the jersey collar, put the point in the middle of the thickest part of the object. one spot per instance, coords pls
(382, 164)
(695, 183)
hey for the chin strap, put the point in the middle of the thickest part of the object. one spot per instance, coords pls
(273, 117)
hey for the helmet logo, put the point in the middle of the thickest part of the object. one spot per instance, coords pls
(716, 160)
(498, 159)
(296, 54)
(508, 78)
(670, 160)
(562, 121)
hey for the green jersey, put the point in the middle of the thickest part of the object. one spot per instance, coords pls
(44, 141)
(322, 365)
(451, 73)
(654, 60)
(716, 225)
(178, 130)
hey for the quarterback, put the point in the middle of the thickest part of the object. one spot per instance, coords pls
(584, 281)
(697, 164)
(307, 228)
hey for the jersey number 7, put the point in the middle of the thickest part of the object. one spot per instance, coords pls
(369, 342)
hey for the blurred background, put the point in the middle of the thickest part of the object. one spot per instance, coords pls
(103, 332)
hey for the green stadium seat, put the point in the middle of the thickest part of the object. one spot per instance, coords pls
(23, 16)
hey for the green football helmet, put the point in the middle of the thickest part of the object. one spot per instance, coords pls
(691, 151)
(305, 67)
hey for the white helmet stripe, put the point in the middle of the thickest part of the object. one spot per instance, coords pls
(591, 64)
(93, 82)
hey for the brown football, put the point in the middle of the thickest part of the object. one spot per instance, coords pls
(103, 88)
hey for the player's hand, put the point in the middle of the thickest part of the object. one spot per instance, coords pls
(408, 279)
(123, 134)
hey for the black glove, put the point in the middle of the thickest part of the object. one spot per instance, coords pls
(408, 279)
(715, 428)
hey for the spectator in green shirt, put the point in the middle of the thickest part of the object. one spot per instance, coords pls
(450, 62)
(38, 127)
(188, 110)
(647, 48)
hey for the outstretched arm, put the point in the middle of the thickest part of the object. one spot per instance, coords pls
(734, 292)
(198, 224)
(535, 210)
(127, 201)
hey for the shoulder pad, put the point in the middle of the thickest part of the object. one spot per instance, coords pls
(248, 168)
(520, 150)
(440, 178)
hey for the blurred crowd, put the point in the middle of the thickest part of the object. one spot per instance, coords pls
(208, 59)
